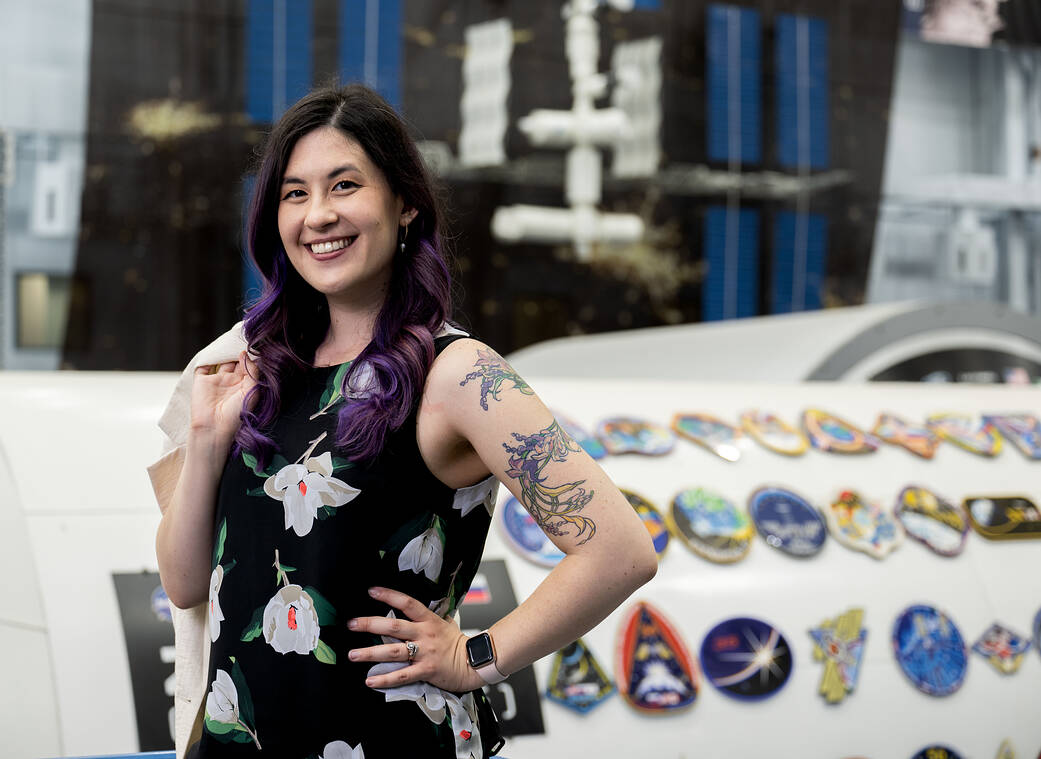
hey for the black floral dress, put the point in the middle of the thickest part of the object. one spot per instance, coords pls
(296, 548)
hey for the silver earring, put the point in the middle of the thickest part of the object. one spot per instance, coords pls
(404, 236)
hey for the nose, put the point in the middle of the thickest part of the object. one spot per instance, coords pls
(320, 213)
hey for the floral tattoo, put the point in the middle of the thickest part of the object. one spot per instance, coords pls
(552, 506)
(493, 370)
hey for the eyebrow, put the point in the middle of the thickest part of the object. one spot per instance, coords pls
(334, 173)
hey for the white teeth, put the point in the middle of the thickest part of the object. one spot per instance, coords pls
(329, 247)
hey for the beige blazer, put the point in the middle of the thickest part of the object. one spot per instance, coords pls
(191, 633)
(191, 638)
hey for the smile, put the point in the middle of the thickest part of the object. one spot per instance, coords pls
(329, 247)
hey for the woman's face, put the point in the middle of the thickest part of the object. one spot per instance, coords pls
(338, 219)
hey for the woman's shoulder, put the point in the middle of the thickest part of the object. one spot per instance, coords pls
(462, 362)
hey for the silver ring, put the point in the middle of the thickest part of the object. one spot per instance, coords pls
(412, 648)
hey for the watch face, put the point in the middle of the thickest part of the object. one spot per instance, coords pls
(479, 650)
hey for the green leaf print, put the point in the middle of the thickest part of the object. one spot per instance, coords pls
(439, 525)
(339, 464)
(229, 566)
(325, 610)
(255, 626)
(257, 492)
(245, 700)
(332, 394)
(251, 461)
(324, 654)
(222, 728)
(218, 549)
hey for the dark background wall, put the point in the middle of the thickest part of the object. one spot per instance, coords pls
(160, 246)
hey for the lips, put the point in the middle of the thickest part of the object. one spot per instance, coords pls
(324, 248)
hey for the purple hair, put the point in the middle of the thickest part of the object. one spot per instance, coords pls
(290, 319)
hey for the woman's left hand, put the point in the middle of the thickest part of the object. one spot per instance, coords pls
(440, 646)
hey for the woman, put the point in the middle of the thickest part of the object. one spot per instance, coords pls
(327, 509)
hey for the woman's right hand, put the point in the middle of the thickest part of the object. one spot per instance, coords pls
(218, 393)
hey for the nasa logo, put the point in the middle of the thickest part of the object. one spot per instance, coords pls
(577, 680)
(930, 650)
(710, 433)
(746, 658)
(711, 526)
(787, 521)
(828, 432)
(526, 537)
(626, 435)
(655, 670)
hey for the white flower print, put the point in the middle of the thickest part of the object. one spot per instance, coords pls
(341, 750)
(483, 493)
(428, 697)
(222, 702)
(464, 726)
(216, 616)
(305, 488)
(434, 702)
(423, 554)
(291, 621)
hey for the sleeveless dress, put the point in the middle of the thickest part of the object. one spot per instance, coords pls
(296, 547)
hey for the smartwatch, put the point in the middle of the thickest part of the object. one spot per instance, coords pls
(480, 653)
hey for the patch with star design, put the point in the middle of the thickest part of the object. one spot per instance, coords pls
(746, 658)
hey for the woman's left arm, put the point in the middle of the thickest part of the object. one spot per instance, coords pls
(494, 416)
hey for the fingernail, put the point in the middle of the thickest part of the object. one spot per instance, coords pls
(374, 592)
(369, 681)
(352, 655)
(352, 625)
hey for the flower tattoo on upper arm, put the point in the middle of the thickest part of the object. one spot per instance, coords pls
(552, 506)
(493, 370)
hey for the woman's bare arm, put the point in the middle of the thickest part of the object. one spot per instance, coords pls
(184, 540)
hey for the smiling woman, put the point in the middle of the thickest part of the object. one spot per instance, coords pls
(340, 431)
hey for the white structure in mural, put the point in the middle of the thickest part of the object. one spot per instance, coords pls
(630, 127)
